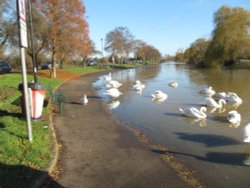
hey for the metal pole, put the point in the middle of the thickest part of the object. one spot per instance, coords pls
(26, 94)
(23, 43)
(32, 43)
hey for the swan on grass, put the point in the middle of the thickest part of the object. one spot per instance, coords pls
(207, 91)
(173, 84)
(113, 92)
(234, 117)
(212, 103)
(194, 112)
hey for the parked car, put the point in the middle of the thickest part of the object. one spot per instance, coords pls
(5, 67)
(48, 65)
(91, 63)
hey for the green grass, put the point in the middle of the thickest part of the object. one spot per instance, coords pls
(83, 70)
(18, 156)
(21, 160)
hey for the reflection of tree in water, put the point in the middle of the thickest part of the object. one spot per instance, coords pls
(19, 176)
(222, 80)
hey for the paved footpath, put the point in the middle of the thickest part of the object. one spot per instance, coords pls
(101, 153)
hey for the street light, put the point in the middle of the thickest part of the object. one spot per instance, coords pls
(102, 47)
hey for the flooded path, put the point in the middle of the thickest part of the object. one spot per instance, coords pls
(214, 149)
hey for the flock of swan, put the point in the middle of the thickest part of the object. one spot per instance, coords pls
(213, 99)
(216, 100)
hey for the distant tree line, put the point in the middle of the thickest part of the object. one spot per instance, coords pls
(229, 43)
(120, 43)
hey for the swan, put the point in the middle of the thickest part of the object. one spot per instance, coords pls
(233, 98)
(234, 117)
(113, 104)
(173, 84)
(220, 95)
(212, 103)
(113, 84)
(207, 91)
(113, 92)
(247, 133)
(159, 95)
(108, 77)
(138, 86)
(85, 99)
(194, 112)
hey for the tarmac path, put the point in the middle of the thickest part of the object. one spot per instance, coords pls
(99, 152)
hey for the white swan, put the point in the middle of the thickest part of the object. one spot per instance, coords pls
(138, 86)
(159, 95)
(247, 133)
(113, 84)
(113, 104)
(220, 95)
(173, 84)
(194, 112)
(207, 91)
(233, 98)
(212, 103)
(234, 117)
(113, 92)
(108, 77)
(85, 99)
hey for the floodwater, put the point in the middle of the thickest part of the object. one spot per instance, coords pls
(213, 148)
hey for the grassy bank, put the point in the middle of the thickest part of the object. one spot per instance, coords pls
(20, 159)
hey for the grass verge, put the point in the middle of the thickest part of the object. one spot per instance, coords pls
(21, 160)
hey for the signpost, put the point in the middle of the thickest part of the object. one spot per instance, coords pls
(21, 4)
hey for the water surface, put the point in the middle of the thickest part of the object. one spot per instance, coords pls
(213, 148)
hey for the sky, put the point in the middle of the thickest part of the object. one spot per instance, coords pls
(168, 25)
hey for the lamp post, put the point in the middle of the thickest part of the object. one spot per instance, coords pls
(102, 47)
(32, 43)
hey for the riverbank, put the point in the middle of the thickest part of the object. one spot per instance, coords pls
(98, 151)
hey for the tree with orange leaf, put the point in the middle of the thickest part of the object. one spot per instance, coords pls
(68, 30)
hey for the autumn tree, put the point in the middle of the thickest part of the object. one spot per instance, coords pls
(230, 38)
(195, 54)
(68, 30)
(147, 52)
(8, 31)
(119, 42)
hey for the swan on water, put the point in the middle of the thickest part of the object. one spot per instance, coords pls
(212, 103)
(247, 133)
(207, 91)
(113, 104)
(194, 112)
(220, 95)
(233, 98)
(113, 84)
(234, 117)
(108, 77)
(138, 86)
(85, 99)
(113, 92)
(159, 95)
(173, 84)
